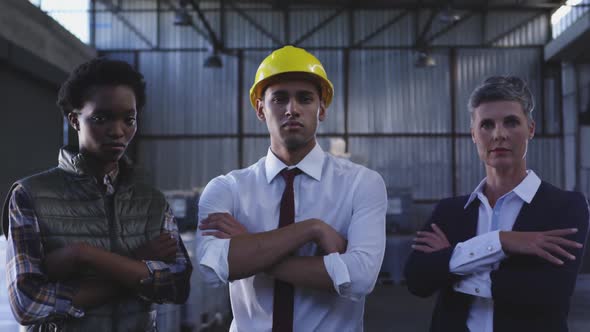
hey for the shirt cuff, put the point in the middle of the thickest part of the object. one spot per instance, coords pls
(478, 284)
(214, 264)
(478, 254)
(63, 301)
(152, 266)
(338, 272)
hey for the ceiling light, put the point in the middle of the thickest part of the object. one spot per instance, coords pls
(213, 61)
(449, 15)
(181, 16)
(425, 60)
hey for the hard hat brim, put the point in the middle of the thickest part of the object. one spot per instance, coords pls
(325, 86)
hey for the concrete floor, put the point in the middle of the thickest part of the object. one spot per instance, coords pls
(392, 308)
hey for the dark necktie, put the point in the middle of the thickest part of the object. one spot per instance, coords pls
(282, 313)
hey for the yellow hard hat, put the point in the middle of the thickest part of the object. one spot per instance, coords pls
(290, 59)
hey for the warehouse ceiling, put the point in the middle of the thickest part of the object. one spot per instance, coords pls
(434, 19)
(415, 4)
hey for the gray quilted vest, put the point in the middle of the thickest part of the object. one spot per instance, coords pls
(71, 208)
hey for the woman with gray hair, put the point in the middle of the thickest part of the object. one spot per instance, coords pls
(505, 257)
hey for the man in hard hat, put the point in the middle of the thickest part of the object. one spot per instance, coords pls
(300, 234)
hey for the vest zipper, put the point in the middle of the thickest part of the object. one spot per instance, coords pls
(109, 203)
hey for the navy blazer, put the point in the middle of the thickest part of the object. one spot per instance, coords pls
(529, 293)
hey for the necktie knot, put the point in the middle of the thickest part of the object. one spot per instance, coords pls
(290, 174)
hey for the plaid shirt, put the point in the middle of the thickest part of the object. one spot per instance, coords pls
(34, 298)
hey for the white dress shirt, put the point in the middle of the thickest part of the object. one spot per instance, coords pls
(476, 257)
(349, 197)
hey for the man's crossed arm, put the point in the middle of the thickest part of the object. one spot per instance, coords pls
(251, 253)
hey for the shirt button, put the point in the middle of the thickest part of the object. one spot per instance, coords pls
(496, 213)
(470, 254)
(477, 290)
(490, 248)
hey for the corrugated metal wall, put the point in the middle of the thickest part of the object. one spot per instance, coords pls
(583, 71)
(475, 64)
(187, 163)
(420, 163)
(185, 98)
(333, 34)
(387, 94)
(397, 118)
(370, 21)
(576, 147)
(570, 123)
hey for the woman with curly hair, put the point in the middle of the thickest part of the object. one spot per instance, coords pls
(90, 246)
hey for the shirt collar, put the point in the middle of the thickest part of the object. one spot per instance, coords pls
(110, 180)
(312, 164)
(526, 189)
(478, 190)
(112, 175)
